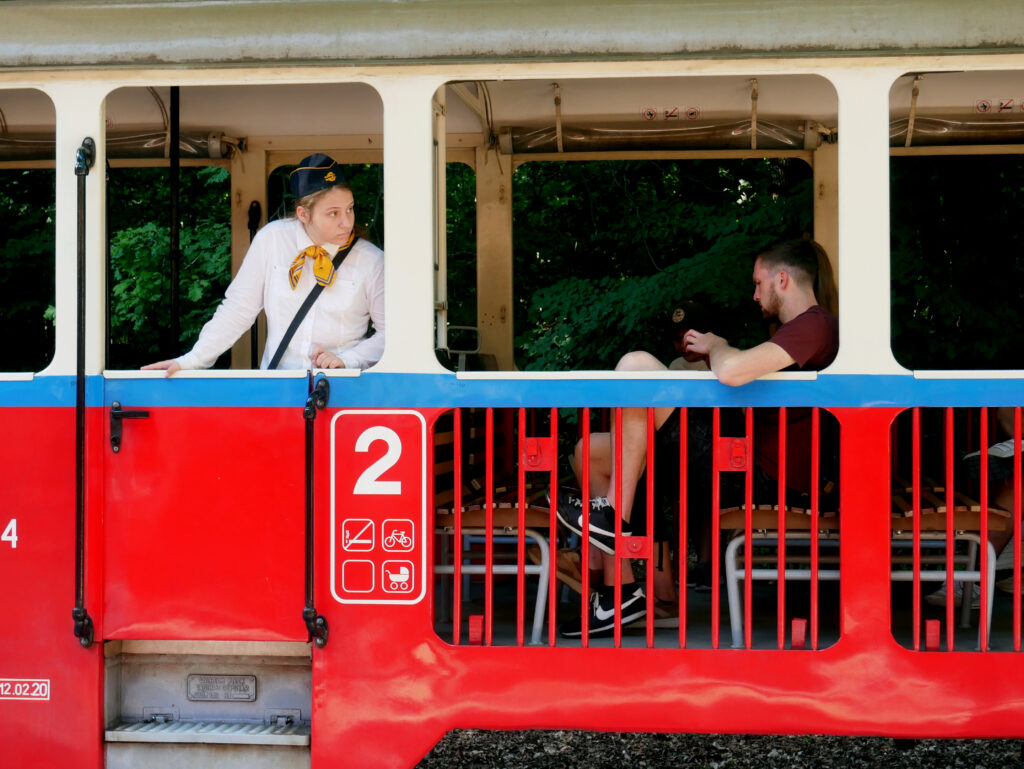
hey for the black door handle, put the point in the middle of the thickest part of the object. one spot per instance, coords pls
(116, 415)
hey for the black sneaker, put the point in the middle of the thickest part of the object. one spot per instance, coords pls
(569, 507)
(602, 519)
(601, 617)
(1000, 461)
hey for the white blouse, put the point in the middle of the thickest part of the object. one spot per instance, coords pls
(337, 322)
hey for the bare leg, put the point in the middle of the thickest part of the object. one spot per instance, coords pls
(600, 477)
(1003, 499)
(634, 438)
(1002, 496)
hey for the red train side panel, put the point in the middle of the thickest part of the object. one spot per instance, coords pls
(50, 687)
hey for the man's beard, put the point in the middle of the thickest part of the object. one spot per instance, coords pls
(771, 304)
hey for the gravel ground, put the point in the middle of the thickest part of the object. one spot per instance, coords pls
(475, 749)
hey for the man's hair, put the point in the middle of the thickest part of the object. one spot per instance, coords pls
(798, 257)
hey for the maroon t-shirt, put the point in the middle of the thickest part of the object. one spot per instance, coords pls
(812, 340)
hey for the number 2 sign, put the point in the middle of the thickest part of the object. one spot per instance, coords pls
(378, 506)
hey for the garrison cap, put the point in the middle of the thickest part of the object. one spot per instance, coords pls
(315, 173)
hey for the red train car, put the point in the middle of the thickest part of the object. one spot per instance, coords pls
(239, 567)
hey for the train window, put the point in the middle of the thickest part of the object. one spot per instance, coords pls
(27, 288)
(139, 248)
(957, 261)
(955, 205)
(628, 195)
(233, 143)
(462, 340)
(625, 240)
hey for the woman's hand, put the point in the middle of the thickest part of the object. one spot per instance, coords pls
(323, 359)
(170, 366)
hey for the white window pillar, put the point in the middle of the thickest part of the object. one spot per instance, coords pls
(864, 274)
(80, 113)
(409, 223)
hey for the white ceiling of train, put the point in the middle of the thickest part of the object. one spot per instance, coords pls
(353, 108)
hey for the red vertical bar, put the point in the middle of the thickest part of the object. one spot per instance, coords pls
(681, 552)
(553, 535)
(521, 533)
(457, 544)
(781, 552)
(950, 515)
(489, 527)
(894, 456)
(617, 504)
(916, 482)
(1016, 518)
(748, 530)
(983, 565)
(716, 517)
(585, 545)
(815, 502)
(652, 560)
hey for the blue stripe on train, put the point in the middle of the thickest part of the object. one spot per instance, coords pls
(439, 390)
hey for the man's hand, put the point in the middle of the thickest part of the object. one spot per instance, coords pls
(702, 344)
(737, 367)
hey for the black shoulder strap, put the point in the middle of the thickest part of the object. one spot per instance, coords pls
(310, 299)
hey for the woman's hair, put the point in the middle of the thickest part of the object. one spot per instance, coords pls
(808, 263)
(312, 198)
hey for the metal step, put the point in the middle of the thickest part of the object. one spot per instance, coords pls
(209, 732)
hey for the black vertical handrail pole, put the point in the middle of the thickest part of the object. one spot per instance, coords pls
(255, 216)
(174, 156)
(84, 159)
(310, 415)
(319, 394)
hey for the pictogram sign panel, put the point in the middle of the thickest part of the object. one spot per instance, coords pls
(378, 506)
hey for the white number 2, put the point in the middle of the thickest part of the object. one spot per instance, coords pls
(369, 482)
(11, 533)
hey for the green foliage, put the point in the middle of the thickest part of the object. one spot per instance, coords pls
(141, 285)
(461, 245)
(140, 270)
(26, 269)
(957, 261)
(603, 250)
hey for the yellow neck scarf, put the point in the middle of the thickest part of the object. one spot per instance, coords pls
(323, 266)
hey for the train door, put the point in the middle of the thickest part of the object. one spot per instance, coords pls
(203, 474)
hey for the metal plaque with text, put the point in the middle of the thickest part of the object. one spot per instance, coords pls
(212, 688)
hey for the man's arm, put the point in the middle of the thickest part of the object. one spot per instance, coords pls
(736, 367)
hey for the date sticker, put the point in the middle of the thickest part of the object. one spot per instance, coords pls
(24, 688)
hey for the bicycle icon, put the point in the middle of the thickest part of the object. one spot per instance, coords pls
(397, 535)
(398, 539)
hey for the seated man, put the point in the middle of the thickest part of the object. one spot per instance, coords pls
(684, 316)
(785, 278)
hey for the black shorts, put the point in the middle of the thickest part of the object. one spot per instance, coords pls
(666, 474)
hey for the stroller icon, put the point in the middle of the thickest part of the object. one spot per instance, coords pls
(398, 581)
